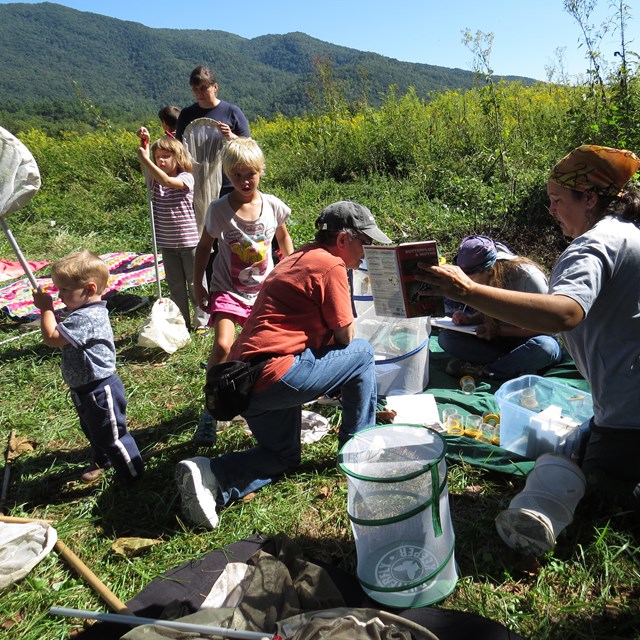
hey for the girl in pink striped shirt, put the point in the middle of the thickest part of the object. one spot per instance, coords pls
(171, 184)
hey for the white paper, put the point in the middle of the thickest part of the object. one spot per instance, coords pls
(385, 281)
(446, 322)
(418, 408)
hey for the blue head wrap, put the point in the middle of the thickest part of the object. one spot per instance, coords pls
(476, 254)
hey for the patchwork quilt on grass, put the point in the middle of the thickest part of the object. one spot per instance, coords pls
(126, 270)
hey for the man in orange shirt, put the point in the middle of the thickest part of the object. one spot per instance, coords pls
(303, 314)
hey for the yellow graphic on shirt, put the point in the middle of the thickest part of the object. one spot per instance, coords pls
(250, 263)
(250, 252)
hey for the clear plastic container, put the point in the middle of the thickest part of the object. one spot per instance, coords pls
(401, 345)
(539, 415)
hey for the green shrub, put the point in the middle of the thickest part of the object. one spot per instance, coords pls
(92, 195)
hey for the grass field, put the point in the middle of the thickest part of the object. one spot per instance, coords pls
(589, 587)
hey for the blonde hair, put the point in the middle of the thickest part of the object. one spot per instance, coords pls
(503, 270)
(81, 268)
(176, 149)
(242, 152)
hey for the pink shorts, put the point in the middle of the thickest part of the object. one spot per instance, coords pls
(222, 302)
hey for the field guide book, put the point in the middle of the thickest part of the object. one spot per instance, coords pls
(392, 272)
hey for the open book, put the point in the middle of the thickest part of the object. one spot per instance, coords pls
(395, 289)
(447, 323)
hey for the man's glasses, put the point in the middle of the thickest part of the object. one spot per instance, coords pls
(365, 240)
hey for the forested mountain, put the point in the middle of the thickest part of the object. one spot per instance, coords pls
(53, 58)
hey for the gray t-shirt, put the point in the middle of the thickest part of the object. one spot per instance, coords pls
(91, 353)
(527, 278)
(599, 270)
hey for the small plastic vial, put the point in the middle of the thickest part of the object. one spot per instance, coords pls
(468, 385)
(528, 398)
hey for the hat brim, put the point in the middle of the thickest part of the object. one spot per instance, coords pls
(376, 235)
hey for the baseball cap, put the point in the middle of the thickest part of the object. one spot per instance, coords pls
(476, 254)
(345, 214)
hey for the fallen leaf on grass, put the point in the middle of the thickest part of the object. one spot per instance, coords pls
(248, 497)
(19, 445)
(9, 623)
(76, 631)
(131, 547)
(324, 492)
(528, 565)
(385, 416)
(613, 610)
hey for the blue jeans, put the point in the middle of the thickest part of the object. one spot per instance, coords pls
(503, 358)
(274, 415)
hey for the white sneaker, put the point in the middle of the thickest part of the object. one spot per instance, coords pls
(198, 488)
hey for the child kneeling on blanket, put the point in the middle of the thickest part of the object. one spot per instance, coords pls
(89, 363)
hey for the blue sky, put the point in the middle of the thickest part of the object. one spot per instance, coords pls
(526, 33)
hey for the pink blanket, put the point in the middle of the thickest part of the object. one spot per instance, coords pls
(13, 269)
(126, 270)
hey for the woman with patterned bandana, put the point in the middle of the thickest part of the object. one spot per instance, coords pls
(593, 301)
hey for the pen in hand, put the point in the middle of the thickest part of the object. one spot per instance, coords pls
(457, 316)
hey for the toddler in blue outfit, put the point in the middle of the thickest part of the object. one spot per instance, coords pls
(89, 362)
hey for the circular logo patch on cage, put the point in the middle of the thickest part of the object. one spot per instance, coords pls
(404, 565)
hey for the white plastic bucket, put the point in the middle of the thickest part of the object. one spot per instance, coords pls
(545, 507)
(401, 345)
(398, 504)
